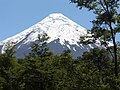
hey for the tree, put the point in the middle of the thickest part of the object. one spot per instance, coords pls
(8, 67)
(32, 76)
(99, 57)
(39, 47)
(107, 22)
(9, 49)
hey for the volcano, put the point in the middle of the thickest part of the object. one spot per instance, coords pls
(64, 34)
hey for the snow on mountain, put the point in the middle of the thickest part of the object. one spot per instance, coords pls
(64, 34)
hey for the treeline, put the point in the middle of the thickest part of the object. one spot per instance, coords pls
(94, 70)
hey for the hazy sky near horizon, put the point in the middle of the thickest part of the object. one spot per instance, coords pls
(18, 15)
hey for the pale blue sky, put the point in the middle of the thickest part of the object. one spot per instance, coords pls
(18, 15)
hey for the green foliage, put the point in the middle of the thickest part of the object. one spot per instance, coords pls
(100, 57)
(106, 23)
(46, 71)
(7, 73)
(9, 49)
(92, 71)
(39, 48)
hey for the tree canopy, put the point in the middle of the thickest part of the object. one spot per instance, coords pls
(106, 23)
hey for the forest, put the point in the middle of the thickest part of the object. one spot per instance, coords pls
(94, 70)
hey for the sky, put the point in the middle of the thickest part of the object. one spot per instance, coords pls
(18, 15)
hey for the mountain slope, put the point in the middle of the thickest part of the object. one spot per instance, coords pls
(64, 34)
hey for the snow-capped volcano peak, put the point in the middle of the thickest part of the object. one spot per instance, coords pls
(64, 34)
(57, 15)
(59, 26)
